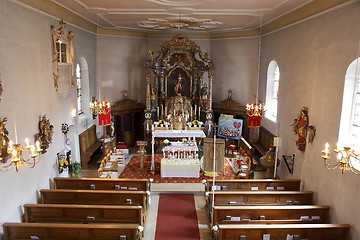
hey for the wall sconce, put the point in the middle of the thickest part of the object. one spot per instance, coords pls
(17, 158)
(346, 159)
(73, 112)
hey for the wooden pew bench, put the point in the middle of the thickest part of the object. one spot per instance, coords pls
(271, 214)
(264, 142)
(260, 184)
(280, 231)
(91, 197)
(101, 184)
(83, 213)
(225, 198)
(69, 231)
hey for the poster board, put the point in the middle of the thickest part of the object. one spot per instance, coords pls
(230, 128)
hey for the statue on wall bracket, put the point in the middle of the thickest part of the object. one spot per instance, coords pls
(45, 134)
(301, 128)
(4, 141)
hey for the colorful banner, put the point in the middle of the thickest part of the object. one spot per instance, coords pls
(105, 119)
(230, 128)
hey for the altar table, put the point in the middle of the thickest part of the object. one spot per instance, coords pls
(189, 168)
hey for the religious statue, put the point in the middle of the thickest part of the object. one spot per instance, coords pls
(45, 134)
(300, 127)
(229, 94)
(178, 87)
(204, 96)
(4, 140)
(152, 98)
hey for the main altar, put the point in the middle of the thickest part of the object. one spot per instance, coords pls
(178, 93)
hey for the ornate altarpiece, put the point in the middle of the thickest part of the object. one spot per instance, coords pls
(175, 89)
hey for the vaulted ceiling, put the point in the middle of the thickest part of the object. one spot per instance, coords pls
(195, 16)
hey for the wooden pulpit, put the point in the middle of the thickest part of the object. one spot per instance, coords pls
(209, 154)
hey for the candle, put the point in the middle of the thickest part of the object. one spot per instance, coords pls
(32, 150)
(199, 112)
(157, 111)
(162, 109)
(38, 146)
(165, 110)
(27, 142)
(195, 110)
(10, 144)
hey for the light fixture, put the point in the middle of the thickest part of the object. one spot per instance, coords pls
(17, 157)
(73, 112)
(346, 159)
(100, 107)
(256, 109)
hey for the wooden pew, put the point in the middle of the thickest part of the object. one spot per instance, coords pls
(261, 184)
(222, 198)
(280, 231)
(91, 197)
(69, 231)
(272, 214)
(83, 213)
(101, 184)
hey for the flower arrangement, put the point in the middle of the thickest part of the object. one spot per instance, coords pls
(165, 143)
(75, 169)
(161, 121)
(195, 122)
(63, 165)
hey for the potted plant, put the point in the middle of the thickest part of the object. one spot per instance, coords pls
(75, 169)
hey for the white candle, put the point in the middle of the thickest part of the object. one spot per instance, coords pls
(195, 110)
(199, 112)
(165, 110)
(157, 111)
(162, 109)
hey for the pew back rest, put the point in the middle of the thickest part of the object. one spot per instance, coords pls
(271, 214)
(280, 231)
(265, 140)
(260, 184)
(68, 231)
(91, 197)
(101, 184)
(83, 213)
(262, 197)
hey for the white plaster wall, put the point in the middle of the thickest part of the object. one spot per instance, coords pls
(236, 68)
(26, 74)
(121, 67)
(313, 57)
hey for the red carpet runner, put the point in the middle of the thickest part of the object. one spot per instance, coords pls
(177, 218)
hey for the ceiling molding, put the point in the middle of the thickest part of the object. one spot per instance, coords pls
(297, 15)
(306, 11)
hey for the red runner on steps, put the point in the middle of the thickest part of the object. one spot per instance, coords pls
(177, 218)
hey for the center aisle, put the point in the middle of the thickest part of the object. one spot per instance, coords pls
(177, 217)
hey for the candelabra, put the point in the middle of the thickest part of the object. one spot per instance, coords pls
(346, 159)
(255, 109)
(17, 157)
(100, 107)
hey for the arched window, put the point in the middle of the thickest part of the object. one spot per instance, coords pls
(349, 131)
(272, 91)
(78, 89)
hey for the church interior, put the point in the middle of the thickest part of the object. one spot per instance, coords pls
(180, 119)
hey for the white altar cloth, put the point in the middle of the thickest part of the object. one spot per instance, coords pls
(178, 133)
(180, 168)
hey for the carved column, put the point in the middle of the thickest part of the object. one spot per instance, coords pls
(148, 92)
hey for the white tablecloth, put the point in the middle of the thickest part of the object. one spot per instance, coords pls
(180, 168)
(178, 133)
